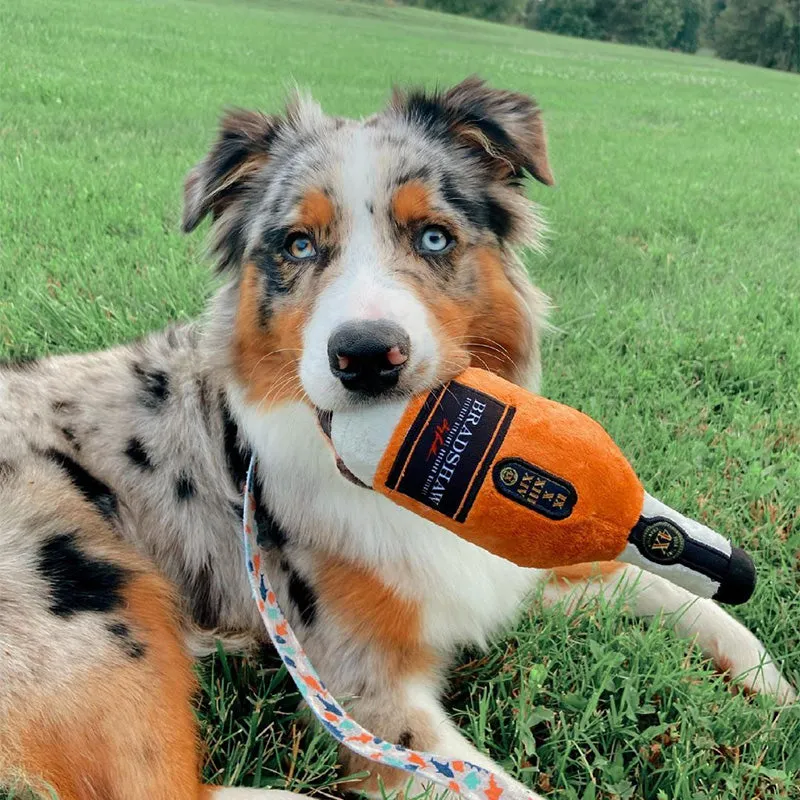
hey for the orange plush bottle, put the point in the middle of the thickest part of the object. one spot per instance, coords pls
(531, 480)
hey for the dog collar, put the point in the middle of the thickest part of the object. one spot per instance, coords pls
(463, 777)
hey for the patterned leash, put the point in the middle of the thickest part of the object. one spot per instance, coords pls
(467, 779)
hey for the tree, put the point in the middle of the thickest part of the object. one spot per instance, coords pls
(495, 10)
(764, 32)
(694, 17)
(654, 23)
(567, 17)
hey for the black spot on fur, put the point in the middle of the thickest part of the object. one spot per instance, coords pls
(119, 629)
(327, 254)
(7, 469)
(418, 174)
(236, 458)
(429, 112)
(204, 399)
(63, 406)
(442, 265)
(303, 597)
(130, 646)
(371, 208)
(279, 280)
(154, 390)
(474, 211)
(138, 455)
(270, 533)
(19, 364)
(93, 489)
(406, 739)
(204, 604)
(484, 213)
(500, 220)
(77, 581)
(270, 259)
(69, 435)
(185, 487)
(230, 244)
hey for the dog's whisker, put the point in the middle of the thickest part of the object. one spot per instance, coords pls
(277, 388)
(269, 355)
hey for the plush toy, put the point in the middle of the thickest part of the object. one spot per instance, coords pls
(528, 479)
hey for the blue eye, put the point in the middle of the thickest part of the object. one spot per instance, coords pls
(300, 246)
(434, 240)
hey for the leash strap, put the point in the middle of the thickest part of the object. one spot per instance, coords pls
(463, 777)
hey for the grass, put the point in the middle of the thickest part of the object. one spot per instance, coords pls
(674, 264)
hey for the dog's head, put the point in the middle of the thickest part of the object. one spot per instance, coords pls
(372, 258)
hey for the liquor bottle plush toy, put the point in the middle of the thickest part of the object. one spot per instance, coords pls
(531, 480)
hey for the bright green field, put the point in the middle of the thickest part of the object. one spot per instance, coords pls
(675, 270)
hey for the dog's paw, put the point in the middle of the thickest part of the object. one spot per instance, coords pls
(753, 668)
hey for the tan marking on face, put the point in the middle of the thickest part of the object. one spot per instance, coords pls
(500, 336)
(266, 357)
(376, 615)
(453, 319)
(411, 203)
(488, 328)
(316, 211)
(585, 572)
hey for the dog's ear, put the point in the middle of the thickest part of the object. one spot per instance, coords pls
(241, 149)
(504, 128)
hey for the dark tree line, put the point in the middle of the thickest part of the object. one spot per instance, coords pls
(763, 32)
(675, 24)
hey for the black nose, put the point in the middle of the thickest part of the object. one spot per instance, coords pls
(368, 357)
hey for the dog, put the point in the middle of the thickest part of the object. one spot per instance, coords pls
(360, 260)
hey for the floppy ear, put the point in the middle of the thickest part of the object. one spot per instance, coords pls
(241, 149)
(504, 128)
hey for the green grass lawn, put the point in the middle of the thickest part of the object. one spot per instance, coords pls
(675, 270)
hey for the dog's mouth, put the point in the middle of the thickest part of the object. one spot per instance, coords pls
(325, 418)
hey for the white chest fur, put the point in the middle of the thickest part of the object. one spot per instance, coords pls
(466, 593)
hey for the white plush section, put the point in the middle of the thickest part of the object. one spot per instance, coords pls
(361, 436)
(692, 581)
(693, 528)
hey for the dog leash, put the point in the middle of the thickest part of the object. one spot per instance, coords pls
(463, 777)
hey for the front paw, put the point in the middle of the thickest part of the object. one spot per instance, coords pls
(757, 672)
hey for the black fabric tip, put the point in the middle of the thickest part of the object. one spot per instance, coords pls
(738, 585)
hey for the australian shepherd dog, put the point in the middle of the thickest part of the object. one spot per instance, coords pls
(360, 260)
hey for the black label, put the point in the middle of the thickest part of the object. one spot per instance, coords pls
(534, 488)
(662, 541)
(449, 448)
